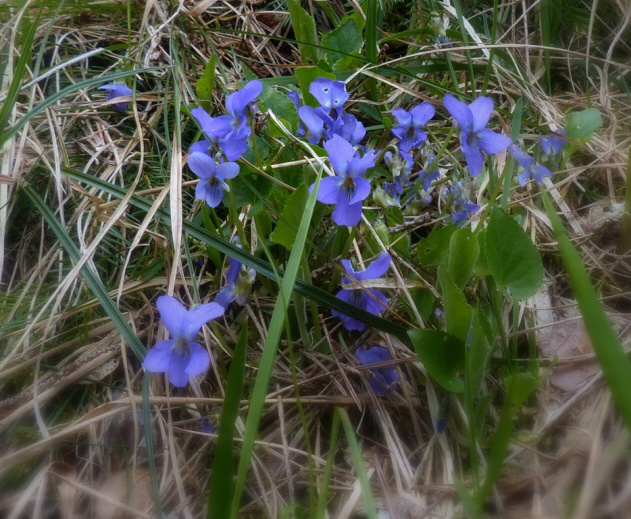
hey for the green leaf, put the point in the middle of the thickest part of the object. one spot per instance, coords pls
(346, 39)
(463, 253)
(206, 83)
(305, 31)
(512, 257)
(282, 106)
(523, 385)
(442, 355)
(458, 312)
(306, 76)
(222, 473)
(482, 266)
(285, 232)
(424, 301)
(580, 126)
(431, 250)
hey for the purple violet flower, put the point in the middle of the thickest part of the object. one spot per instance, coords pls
(231, 131)
(409, 130)
(238, 283)
(200, 146)
(314, 121)
(180, 356)
(529, 168)
(553, 145)
(474, 136)
(368, 299)
(330, 94)
(322, 126)
(348, 188)
(461, 206)
(381, 379)
(427, 177)
(117, 90)
(212, 177)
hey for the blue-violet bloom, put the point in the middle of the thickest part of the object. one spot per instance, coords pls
(409, 130)
(461, 206)
(231, 131)
(117, 90)
(368, 299)
(553, 145)
(381, 379)
(238, 283)
(212, 177)
(528, 166)
(427, 177)
(330, 94)
(348, 188)
(180, 355)
(474, 136)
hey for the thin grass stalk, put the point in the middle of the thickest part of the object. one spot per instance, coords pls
(609, 352)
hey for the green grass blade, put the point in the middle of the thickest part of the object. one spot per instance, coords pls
(259, 265)
(465, 41)
(612, 357)
(20, 69)
(372, 18)
(271, 346)
(221, 477)
(358, 463)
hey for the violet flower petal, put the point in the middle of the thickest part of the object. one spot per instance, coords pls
(376, 269)
(177, 369)
(159, 357)
(197, 317)
(329, 189)
(198, 360)
(481, 109)
(459, 111)
(172, 313)
(492, 142)
(202, 165)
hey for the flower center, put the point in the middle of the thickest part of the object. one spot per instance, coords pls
(181, 348)
(473, 140)
(349, 187)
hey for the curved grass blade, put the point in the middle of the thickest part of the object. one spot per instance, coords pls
(20, 69)
(259, 265)
(611, 356)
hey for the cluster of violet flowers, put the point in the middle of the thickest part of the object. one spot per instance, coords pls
(340, 134)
